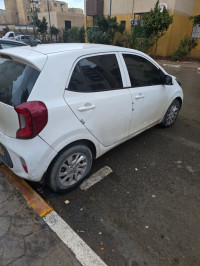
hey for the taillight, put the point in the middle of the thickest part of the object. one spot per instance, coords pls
(33, 117)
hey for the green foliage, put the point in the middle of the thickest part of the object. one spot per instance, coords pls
(138, 39)
(42, 26)
(185, 47)
(104, 30)
(195, 19)
(74, 35)
(54, 30)
(156, 23)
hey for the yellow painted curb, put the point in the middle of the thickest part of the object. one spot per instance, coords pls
(31, 196)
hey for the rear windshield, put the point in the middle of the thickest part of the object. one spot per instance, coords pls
(16, 81)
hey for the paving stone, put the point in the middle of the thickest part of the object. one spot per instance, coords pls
(6, 189)
(11, 206)
(41, 243)
(11, 248)
(27, 261)
(5, 223)
(24, 222)
(61, 256)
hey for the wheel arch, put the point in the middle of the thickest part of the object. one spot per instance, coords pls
(85, 142)
(180, 100)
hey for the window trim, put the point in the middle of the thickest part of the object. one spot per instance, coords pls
(92, 55)
(128, 84)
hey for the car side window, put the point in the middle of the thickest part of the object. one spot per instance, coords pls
(77, 83)
(141, 71)
(100, 73)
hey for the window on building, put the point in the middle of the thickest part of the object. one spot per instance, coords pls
(68, 24)
(95, 74)
(141, 71)
(123, 24)
(28, 18)
(196, 32)
(55, 4)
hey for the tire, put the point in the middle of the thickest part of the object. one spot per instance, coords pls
(171, 114)
(69, 168)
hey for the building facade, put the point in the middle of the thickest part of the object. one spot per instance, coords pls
(20, 13)
(129, 13)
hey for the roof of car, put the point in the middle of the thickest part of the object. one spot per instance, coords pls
(66, 47)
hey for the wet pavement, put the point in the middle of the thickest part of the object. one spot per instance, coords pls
(146, 212)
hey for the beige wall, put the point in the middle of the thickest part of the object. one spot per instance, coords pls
(58, 19)
(120, 7)
(184, 7)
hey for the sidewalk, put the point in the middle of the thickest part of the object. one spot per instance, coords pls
(180, 64)
(25, 239)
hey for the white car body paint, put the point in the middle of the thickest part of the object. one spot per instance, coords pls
(113, 120)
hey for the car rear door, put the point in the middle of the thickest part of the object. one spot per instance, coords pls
(96, 95)
(149, 95)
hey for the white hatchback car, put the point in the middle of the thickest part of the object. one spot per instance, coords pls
(62, 105)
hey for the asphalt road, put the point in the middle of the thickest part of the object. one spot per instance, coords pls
(146, 212)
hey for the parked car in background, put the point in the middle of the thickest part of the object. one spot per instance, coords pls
(27, 39)
(6, 43)
(9, 35)
(63, 105)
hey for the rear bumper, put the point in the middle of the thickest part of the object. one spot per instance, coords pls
(36, 153)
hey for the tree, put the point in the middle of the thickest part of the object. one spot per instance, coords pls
(156, 23)
(54, 31)
(104, 30)
(74, 35)
(36, 21)
(42, 27)
(138, 39)
(185, 47)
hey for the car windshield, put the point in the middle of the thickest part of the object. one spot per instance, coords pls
(16, 81)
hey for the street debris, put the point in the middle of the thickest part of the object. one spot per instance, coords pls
(66, 201)
(102, 249)
(147, 227)
(80, 231)
(100, 233)
(189, 168)
(81, 209)
(52, 194)
(136, 169)
(40, 189)
(178, 162)
(153, 196)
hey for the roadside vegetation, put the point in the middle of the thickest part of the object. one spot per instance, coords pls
(107, 30)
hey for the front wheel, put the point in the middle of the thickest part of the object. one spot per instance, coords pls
(171, 114)
(70, 168)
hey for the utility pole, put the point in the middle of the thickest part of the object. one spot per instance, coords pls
(133, 7)
(110, 7)
(49, 20)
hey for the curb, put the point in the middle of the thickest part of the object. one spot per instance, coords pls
(180, 66)
(83, 253)
(30, 195)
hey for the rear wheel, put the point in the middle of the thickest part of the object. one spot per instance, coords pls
(70, 168)
(171, 114)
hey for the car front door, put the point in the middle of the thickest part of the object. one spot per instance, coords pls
(96, 95)
(148, 93)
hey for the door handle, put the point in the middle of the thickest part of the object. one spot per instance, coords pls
(86, 107)
(139, 96)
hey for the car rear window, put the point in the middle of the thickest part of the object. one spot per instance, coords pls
(16, 81)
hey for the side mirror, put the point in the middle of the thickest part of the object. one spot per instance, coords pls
(168, 80)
